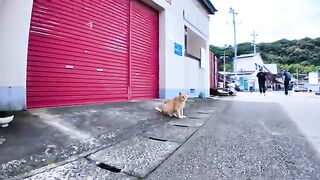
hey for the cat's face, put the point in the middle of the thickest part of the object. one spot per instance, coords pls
(183, 96)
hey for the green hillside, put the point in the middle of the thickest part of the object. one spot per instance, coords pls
(303, 54)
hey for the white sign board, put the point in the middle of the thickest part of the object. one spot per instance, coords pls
(313, 78)
(203, 58)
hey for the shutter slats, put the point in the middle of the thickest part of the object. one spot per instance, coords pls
(79, 52)
(144, 55)
(83, 36)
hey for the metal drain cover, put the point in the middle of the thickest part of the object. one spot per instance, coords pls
(187, 122)
(79, 169)
(137, 156)
(174, 133)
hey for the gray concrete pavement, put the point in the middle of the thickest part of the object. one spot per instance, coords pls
(254, 137)
(40, 141)
(244, 136)
(41, 137)
(302, 108)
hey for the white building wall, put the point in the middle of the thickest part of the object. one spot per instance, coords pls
(248, 63)
(15, 18)
(181, 73)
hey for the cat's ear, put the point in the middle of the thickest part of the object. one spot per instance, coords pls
(180, 93)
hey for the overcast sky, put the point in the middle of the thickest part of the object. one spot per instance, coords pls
(271, 19)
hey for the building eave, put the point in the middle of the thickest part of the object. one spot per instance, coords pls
(209, 6)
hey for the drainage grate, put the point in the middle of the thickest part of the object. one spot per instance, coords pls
(202, 112)
(108, 167)
(192, 117)
(178, 125)
(157, 139)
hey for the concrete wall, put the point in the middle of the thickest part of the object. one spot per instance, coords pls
(15, 18)
(181, 73)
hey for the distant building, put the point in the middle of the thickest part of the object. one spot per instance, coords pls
(251, 62)
(247, 63)
(247, 66)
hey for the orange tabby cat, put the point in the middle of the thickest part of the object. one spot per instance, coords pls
(174, 107)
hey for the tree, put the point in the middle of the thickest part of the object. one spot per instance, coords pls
(303, 54)
(218, 51)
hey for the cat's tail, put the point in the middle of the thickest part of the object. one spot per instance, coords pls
(158, 109)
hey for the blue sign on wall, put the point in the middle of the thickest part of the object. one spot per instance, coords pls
(178, 49)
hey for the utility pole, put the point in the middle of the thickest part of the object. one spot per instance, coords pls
(224, 65)
(224, 68)
(254, 42)
(235, 41)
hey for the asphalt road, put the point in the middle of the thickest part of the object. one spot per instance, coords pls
(253, 137)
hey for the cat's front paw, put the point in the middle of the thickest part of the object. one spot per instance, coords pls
(184, 117)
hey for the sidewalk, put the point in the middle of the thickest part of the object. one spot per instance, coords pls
(66, 142)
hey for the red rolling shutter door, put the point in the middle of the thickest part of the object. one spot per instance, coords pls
(78, 52)
(212, 70)
(144, 51)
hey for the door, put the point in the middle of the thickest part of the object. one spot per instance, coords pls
(144, 51)
(91, 51)
(212, 70)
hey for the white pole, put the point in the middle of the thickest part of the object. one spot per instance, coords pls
(224, 68)
(235, 41)
(254, 42)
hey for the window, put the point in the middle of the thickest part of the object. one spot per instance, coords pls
(193, 43)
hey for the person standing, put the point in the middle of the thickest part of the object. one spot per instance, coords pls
(262, 81)
(286, 79)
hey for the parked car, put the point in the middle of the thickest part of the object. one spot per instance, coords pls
(299, 88)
